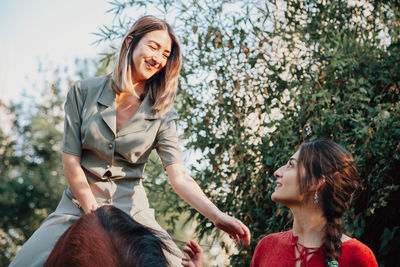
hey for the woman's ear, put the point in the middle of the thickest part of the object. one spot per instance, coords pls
(128, 41)
(320, 184)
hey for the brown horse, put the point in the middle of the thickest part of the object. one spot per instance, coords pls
(109, 237)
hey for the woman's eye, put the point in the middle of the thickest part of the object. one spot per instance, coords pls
(165, 56)
(290, 165)
(152, 47)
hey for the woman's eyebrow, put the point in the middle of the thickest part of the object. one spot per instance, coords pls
(158, 45)
(293, 159)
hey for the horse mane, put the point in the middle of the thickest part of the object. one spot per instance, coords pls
(109, 237)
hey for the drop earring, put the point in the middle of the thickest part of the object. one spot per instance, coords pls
(316, 197)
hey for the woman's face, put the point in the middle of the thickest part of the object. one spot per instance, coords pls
(151, 55)
(287, 190)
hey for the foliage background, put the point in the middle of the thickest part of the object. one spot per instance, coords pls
(258, 79)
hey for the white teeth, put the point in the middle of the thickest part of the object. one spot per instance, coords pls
(149, 65)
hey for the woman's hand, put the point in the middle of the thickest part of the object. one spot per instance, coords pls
(233, 227)
(195, 253)
(78, 182)
(94, 207)
(91, 209)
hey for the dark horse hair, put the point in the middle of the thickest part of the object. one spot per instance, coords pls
(324, 159)
(109, 237)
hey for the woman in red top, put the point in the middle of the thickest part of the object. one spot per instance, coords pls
(316, 185)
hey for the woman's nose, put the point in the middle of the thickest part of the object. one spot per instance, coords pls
(278, 173)
(157, 58)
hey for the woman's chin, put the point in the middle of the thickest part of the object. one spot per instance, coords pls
(274, 198)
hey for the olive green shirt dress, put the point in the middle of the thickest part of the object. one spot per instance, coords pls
(112, 161)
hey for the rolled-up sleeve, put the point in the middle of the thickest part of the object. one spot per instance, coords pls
(71, 142)
(167, 144)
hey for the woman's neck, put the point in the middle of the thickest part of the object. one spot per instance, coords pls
(135, 88)
(139, 88)
(308, 225)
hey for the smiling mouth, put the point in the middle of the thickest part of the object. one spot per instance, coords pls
(278, 185)
(150, 66)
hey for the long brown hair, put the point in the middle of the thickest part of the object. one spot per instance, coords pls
(161, 87)
(324, 159)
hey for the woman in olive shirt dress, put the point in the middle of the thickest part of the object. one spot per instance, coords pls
(111, 125)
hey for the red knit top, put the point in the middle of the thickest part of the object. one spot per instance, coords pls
(278, 250)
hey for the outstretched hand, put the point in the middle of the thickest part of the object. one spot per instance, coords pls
(195, 253)
(233, 227)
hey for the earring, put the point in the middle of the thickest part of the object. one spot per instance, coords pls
(316, 197)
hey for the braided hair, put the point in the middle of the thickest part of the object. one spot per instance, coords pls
(324, 159)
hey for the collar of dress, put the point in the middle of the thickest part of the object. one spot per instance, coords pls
(107, 98)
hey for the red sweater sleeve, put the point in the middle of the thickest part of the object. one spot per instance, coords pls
(355, 253)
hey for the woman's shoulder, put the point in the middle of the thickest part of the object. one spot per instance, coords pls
(87, 87)
(172, 114)
(276, 238)
(168, 115)
(91, 83)
(272, 250)
(357, 253)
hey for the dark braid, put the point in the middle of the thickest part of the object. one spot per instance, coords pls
(327, 160)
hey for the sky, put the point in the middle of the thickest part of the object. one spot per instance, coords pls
(51, 32)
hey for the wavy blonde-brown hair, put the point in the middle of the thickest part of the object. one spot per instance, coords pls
(161, 87)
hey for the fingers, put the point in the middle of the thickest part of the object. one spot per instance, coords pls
(187, 263)
(245, 237)
(94, 207)
(236, 225)
(240, 233)
(97, 206)
(237, 239)
(195, 247)
(195, 253)
(189, 251)
(91, 209)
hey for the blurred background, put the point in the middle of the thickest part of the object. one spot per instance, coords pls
(258, 79)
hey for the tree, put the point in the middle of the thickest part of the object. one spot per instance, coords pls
(32, 179)
(258, 79)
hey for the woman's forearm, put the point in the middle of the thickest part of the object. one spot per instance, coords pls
(189, 190)
(78, 183)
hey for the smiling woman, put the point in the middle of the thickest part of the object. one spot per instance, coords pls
(111, 125)
(287, 185)
(316, 184)
(149, 50)
(150, 55)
